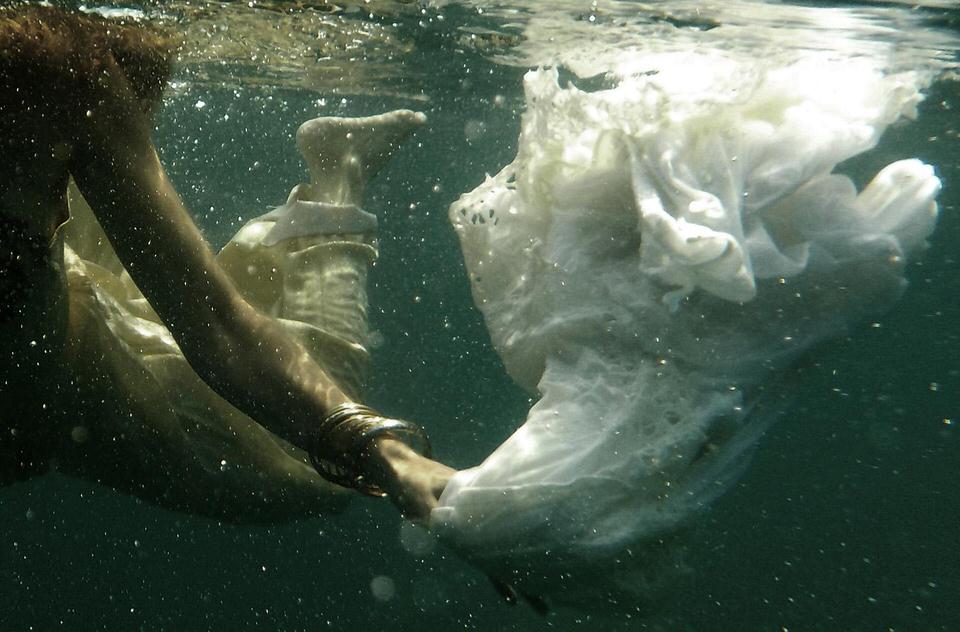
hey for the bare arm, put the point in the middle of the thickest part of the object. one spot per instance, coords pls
(242, 354)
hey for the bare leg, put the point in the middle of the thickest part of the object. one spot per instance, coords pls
(343, 153)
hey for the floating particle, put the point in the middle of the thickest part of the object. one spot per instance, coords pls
(383, 588)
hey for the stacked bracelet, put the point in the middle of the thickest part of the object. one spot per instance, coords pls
(341, 447)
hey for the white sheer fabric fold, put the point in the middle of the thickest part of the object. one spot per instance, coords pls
(651, 262)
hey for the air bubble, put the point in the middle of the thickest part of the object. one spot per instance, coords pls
(79, 434)
(383, 588)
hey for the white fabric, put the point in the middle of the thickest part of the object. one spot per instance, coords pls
(653, 259)
(302, 216)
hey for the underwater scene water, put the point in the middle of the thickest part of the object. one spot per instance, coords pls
(847, 516)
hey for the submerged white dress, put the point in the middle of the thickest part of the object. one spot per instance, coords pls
(651, 263)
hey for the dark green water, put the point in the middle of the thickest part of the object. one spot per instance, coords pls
(848, 519)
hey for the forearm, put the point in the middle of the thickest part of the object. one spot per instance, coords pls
(243, 355)
(254, 365)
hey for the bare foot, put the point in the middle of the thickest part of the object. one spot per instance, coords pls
(343, 153)
(413, 482)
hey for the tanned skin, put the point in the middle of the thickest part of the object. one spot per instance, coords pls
(101, 138)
